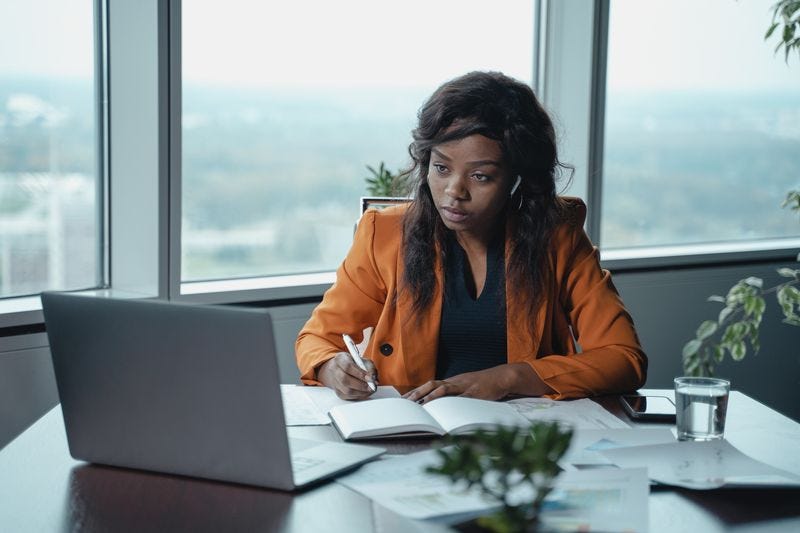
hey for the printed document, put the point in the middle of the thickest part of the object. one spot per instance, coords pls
(701, 465)
(587, 444)
(580, 414)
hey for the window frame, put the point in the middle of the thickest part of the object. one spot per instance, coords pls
(138, 71)
(573, 88)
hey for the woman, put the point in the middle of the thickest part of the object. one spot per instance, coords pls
(476, 286)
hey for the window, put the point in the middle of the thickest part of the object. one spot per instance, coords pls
(285, 104)
(49, 207)
(702, 125)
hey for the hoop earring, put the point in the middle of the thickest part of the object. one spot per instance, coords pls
(520, 202)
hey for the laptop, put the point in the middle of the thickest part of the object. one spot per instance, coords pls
(182, 389)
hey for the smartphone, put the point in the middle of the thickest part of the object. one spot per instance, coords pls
(655, 408)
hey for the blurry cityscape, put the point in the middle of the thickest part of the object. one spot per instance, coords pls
(272, 180)
(48, 189)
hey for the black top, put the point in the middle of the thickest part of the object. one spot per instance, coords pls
(472, 334)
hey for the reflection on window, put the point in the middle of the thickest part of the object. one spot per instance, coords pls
(702, 137)
(284, 105)
(49, 210)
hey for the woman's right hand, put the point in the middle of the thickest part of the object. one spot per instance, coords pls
(348, 381)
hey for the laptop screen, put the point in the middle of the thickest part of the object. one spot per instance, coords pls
(177, 388)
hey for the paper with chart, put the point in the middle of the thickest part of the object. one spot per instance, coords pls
(607, 500)
(402, 485)
(599, 500)
(701, 465)
(580, 414)
(587, 444)
(309, 406)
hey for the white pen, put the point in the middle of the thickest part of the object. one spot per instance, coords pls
(353, 350)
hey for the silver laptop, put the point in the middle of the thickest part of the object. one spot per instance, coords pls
(183, 389)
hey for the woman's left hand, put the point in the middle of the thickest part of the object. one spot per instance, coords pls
(489, 384)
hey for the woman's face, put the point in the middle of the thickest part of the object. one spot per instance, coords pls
(470, 183)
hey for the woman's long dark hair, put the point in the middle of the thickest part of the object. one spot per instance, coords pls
(506, 110)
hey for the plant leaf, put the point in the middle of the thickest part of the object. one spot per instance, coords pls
(754, 282)
(719, 353)
(788, 33)
(792, 292)
(784, 302)
(720, 299)
(790, 7)
(788, 272)
(691, 347)
(690, 365)
(770, 30)
(706, 329)
(724, 314)
(738, 351)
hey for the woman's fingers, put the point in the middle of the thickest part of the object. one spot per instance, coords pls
(343, 376)
(351, 381)
(430, 391)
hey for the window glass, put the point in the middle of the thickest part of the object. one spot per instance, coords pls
(49, 210)
(286, 103)
(702, 132)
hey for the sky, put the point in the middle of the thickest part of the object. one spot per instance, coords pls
(309, 43)
(695, 44)
(47, 37)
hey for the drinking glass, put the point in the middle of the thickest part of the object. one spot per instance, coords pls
(701, 405)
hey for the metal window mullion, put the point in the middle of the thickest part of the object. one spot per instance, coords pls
(594, 184)
(102, 141)
(566, 83)
(175, 149)
(539, 46)
(164, 67)
(138, 144)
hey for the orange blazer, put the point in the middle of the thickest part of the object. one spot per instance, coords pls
(581, 300)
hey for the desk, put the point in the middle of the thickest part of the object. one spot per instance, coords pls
(43, 489)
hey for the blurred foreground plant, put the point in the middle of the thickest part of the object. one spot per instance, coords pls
(500, 462)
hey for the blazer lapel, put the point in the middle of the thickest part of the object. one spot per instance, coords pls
(520, 343)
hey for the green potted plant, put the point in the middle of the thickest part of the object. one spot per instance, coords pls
(383, 182)
(385, 187)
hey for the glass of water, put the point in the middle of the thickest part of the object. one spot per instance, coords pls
(701, 405)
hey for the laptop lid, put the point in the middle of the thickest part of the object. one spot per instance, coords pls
(176, 388)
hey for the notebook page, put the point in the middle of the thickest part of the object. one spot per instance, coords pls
(457, 414)
(382, 417)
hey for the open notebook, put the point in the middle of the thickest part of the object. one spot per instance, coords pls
(397, 417)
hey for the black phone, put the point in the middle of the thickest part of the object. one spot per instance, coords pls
(655, 408)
